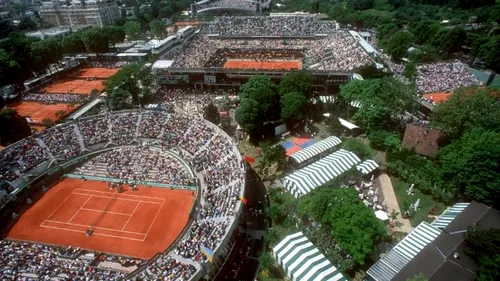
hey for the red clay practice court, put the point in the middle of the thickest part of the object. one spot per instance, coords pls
(97, 72)
(268, 64)
(38, 111)
(132, 223)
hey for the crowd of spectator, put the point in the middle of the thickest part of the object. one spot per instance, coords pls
(270, 26)
(336, 52)
(47, 98)
(444, 76)
(234, 4)
(30, 261)
(208, 150)
(107, 64)
(138, 163)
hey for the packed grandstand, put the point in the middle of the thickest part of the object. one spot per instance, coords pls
(117, 141)
(319, 45)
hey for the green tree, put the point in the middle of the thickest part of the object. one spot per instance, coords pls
(483, 247)
(335, 128)
(47, 122)
(425, 53)
(385, 31)
(115, 34)
(296, 82)
(40, 53)
(381, 100)
(490, 53)
(360, 4)
(449, 41)
(467, 108)
(425, 30)
(9, 68)
(27, 24)
(13, 127)
(157, 28)
(361, 149)
(18, 48)
(73, 44)
(273, 154)
(211, 113)
(293, 107)
(119, 99)
(472, 164)
(133, 30)
(95, 41)
(353, 225)
(247, 116)
(398, 45)
(266, 262)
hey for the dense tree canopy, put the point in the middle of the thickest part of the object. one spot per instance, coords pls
(353, 225)
(131, 86)
(382, 100)
(13, 127)
(483, 246)
(95, 41)
(397, 46)
(467, 108)
(157, 28)
(296, 82)
(259, 103)
(211, 113)
(132, 30)
(472, 164)
(293, 107)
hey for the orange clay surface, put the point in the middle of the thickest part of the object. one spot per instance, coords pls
(136, 224)
(99, 73)
(38, 111)
(73, 86)
(438, 97)
(273, 64)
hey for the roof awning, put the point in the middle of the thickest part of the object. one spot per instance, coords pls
(315, 149)
(302, 261)
(367, 166)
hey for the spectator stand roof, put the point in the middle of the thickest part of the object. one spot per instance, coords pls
(367, 166)
(393, 262)
(162, 64)
(302, 261)
(320, 172)
(315, 149)
(449, 215)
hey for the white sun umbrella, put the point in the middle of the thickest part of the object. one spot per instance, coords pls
(381, 215)
(410, 190)
(415, 206)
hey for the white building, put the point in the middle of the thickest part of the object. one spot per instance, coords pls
(93, 12)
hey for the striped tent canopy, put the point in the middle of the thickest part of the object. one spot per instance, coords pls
(315, 149)
(449, 215)
(320, 172)
(331, 99)
(393, 262)
(367, 166)
(302, 261)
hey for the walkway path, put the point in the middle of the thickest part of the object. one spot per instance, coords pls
(392, 202)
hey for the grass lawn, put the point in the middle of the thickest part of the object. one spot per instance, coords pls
(426, 202)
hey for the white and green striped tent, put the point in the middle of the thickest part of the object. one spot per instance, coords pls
(320, 172)
(449, 215)
(315, 149)
(398, 257)
(331, 99)
(367, 166)
(302, 261)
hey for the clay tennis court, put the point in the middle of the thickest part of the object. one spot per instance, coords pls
(99, 73)
(74, 86)
(132, 223)
(38, 111)
(270, 64)
(437, 97)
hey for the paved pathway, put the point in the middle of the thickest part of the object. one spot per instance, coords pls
(392, 202)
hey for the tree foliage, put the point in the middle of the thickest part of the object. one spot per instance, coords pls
(73, 44)
(157, 28)
(353, 225)
(293, 106)
(296, 82)
(13, 127)
(95, 41)
(483, 246)
(467, 108)
(361, 149)
(398, 45)
(472, 164)
(418, 277)
(115, 34)
(132, 30)
(382, 100)
(211, 113)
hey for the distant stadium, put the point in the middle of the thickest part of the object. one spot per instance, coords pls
(229, 50)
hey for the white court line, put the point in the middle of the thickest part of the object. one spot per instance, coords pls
(61, 205)
(98, 227)
(79, 209)
(122, 194)
(135, 209)
(117, 198)
(153, 222)
(101, 234)
(108, 212)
